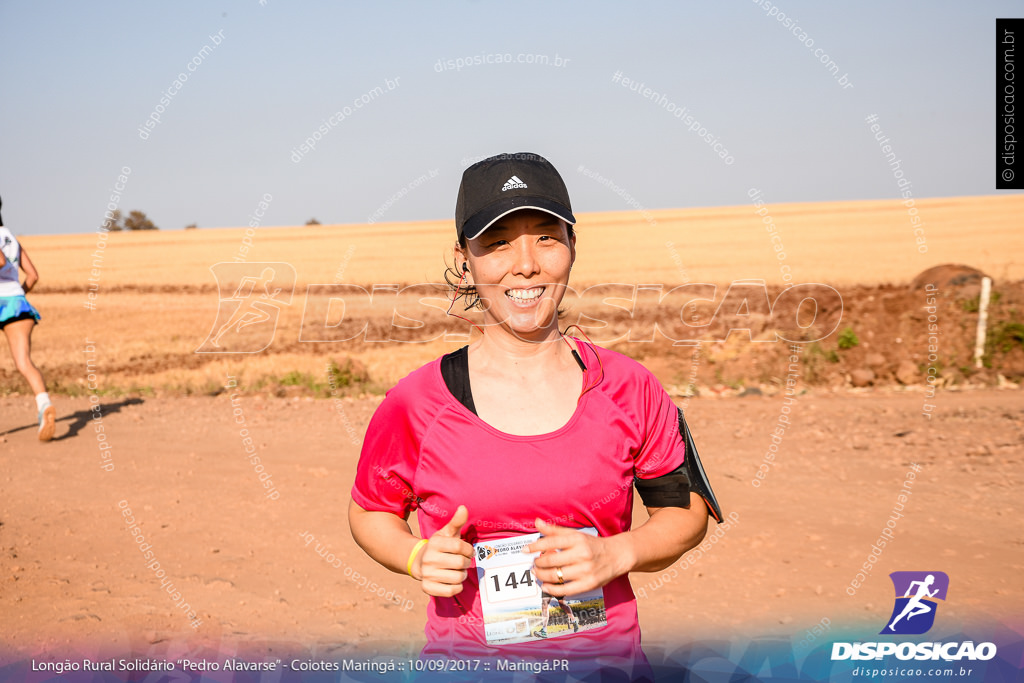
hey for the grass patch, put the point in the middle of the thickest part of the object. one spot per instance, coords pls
(973, 305)
(351, 374)
(1007, 334)
(343, 378)
(815, 359)
(848, 339)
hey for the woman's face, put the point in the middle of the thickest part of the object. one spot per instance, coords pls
(520, 267)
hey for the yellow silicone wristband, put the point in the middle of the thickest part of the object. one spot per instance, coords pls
(412, 556)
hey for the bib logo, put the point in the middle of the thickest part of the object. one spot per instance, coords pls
(485, 552)
(251, 298)
(916, 595)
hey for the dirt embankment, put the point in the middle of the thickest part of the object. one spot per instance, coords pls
(854, 336)
(887, 335)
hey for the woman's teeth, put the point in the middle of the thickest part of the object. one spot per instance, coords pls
(524, 294)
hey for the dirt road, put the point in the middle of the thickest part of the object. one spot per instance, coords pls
(237, 541)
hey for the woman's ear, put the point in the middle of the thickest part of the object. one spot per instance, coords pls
(460, 260)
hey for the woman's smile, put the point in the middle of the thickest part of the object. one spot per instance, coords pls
(525, 297)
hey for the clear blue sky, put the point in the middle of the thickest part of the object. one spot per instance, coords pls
(79, 79)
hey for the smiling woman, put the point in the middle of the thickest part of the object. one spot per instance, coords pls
(525, 425)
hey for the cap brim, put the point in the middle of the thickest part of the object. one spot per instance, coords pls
(485, 218)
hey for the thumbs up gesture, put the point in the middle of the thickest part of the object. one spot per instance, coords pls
(442, 565)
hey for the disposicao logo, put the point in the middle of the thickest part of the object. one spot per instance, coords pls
(251, 298)
(913, 613)
(916, 596)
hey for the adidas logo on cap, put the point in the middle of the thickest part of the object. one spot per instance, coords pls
(513, 183)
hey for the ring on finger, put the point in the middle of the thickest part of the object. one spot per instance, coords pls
(558, 573)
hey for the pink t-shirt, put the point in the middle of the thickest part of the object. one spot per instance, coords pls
(425, 451)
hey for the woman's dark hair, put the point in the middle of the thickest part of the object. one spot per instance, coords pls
(453, 277)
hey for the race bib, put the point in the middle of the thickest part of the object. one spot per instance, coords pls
(513, 600)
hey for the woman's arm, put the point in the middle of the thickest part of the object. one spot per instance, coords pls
(384, 536)
(31, 276)
(440, 565)
(662, 539)
(589, 562)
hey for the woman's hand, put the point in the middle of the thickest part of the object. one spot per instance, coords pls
(441, 565)
(31, 276)
(586, 562)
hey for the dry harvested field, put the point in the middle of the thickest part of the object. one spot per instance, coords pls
(72, 582)
(840, 243)
(156, 297)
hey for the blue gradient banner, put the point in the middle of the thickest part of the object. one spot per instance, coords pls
(992, 654)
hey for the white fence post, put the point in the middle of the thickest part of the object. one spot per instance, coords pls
(979, 341)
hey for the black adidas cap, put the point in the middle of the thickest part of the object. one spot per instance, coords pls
(497, 186)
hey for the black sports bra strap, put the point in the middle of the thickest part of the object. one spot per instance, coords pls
(455, 371)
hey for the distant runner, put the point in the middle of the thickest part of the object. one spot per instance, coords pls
(17, 318)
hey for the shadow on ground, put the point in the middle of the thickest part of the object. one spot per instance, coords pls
(80, 419)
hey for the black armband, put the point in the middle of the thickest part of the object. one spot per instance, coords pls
(673, 489)
(670, 490)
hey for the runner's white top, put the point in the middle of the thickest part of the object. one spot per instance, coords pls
(9, 284)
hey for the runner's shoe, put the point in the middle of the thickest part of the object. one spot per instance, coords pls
(47, 422)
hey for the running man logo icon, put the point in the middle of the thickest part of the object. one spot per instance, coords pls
(916, 595)
(251, 298)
